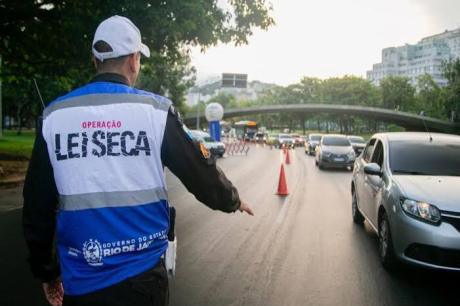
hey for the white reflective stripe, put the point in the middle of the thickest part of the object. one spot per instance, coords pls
(107, 99)
(111, 199)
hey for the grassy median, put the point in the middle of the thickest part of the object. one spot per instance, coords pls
(16, 146)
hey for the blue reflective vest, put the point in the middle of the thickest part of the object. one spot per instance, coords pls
(104, 142)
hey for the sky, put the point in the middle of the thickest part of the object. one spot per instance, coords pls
(327, 38)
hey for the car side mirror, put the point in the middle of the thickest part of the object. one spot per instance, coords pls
(373, 169)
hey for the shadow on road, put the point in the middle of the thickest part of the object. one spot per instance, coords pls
(17, 286)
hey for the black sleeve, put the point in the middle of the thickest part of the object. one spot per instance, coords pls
(39, 212)
(199, 174)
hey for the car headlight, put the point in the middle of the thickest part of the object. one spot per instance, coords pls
(351, 155)
(327, 154)
(421, 210)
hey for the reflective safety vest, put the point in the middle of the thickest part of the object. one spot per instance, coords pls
(104, 142)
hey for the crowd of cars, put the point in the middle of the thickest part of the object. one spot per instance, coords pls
(404, 185)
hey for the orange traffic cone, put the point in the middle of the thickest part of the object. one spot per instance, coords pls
(288, 159)
(282, 186)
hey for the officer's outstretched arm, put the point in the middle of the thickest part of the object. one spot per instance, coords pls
(198, 173)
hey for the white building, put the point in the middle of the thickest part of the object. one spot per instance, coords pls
(412, 61)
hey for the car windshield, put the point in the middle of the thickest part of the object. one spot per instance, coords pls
(336, 141)
(427, 158)
(355, 139)
(315, 137)
(285, 136)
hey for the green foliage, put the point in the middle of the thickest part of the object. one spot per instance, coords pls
(226, 100)
(429, 98)
(51, 41)
(397, 93)
(349, 90)
(451, 94)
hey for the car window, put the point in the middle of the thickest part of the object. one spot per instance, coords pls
(425, 158)
(354, 139)
(369, 150)
(336, 141)
(377, 156)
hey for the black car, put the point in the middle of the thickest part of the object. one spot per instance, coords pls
(312, 142)
(358, 143)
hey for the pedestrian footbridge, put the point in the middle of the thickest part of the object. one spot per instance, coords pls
(409, 121)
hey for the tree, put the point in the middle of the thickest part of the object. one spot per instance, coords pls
(44, 39)
(349, 90)
(397, 93)
(226, 100)
(451, 93)
(428, 97)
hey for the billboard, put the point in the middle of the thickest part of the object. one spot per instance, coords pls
(234, 80)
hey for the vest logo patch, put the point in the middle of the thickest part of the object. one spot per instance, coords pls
(92, 251)
(100, 143)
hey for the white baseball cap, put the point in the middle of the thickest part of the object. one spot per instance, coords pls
(121, 35)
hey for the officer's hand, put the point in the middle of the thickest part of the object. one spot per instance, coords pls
(244, 207)
(54, 292)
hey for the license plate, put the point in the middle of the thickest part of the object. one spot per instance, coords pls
(339, 159)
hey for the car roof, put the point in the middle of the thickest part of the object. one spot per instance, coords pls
(335, 135)
(418, 136)
(199, 133)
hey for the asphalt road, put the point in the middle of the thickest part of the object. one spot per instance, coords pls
(300, 250)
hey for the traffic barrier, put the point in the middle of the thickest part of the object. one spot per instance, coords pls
(282, 185)
(236, 148)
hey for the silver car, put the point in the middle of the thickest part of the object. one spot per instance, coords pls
(335, 151)
(406, 186)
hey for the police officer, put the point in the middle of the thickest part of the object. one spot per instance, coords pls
(95, 189)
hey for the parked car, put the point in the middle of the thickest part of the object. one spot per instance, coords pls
(358, 143)
(335, 151)
(285, 141)
(298, 140)
(313, 141)
(216, 148)
(405, 185)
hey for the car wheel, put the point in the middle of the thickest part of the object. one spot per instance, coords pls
(316, 163)
(386, 251)
(358, 218)
(320, 166)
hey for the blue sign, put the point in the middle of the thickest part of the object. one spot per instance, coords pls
(214, 130)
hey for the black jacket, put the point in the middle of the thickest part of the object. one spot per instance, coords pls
(179, 153)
